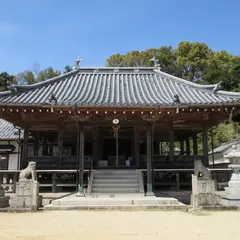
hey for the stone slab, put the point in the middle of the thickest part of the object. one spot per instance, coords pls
(27, 195)
(232, 191)
(26, 188)
(4, 201)
(203, 186)
(230, 202)
(156, 201)
(178, 207)
(204, 199)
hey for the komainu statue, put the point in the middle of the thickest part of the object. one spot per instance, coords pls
(29, 172)
(201, 171)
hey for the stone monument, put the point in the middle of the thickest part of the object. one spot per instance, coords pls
(231, 196)
(4, 200)
(27, 189)
(203, 187)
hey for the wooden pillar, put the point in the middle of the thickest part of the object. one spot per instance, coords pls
(171, 143)
(182, 147)
(188, 150)
(36, 144)
(195, 145)
(54, 183)
(25, 145)
(149, 160)
(60, 145)
(45, 146)
(153, 152)
(81, 159)
(95, 147)
(137, 146)
(205, 144)
(212, 145)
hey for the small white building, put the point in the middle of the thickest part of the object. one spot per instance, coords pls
(10, 146)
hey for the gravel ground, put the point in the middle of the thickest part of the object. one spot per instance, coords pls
(110, 225)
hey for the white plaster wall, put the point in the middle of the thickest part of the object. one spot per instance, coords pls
(13, 162)
(13, 157)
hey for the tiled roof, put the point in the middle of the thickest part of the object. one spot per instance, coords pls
(225, 146)
(7, 131)
(117, 87)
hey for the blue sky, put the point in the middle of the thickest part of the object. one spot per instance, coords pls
(55, 32)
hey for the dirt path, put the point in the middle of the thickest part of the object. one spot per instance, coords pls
(113, 225)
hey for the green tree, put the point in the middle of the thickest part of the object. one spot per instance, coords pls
(225, 132)
(6, 80)
(192, 58)
(47, 74)
(27, 76)
(67, 69)
(165, 55)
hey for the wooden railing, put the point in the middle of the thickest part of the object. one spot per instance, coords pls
(47, 178)
(179, 161)
(53, 162)
(54, 179)
(182, 178)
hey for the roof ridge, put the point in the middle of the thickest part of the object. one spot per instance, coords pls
(35, 85)
(207, 87)
(224, 145)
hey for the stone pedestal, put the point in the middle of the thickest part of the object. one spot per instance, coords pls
(231, 196)
(27, 195)
(203, 193)
(4, 200)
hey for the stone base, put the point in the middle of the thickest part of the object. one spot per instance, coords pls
(73, 202)
(230, 202)
(150, 194)
(80, 194)
(4, 201)
(204, 199)
(25, 202)
(27, 195)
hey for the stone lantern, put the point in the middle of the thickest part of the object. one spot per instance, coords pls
(231, 196)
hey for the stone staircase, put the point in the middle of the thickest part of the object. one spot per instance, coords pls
(116, 183)
(115, 189)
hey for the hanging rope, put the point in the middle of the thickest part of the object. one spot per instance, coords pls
(115, 130)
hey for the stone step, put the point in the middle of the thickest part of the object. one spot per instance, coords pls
(109, 180)
(177, 207)
(115, 176)
(116, 195)
(115, 185)
(73, 200)
(132, 200)
(115, 190)
(115, 172)
(231, 190)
